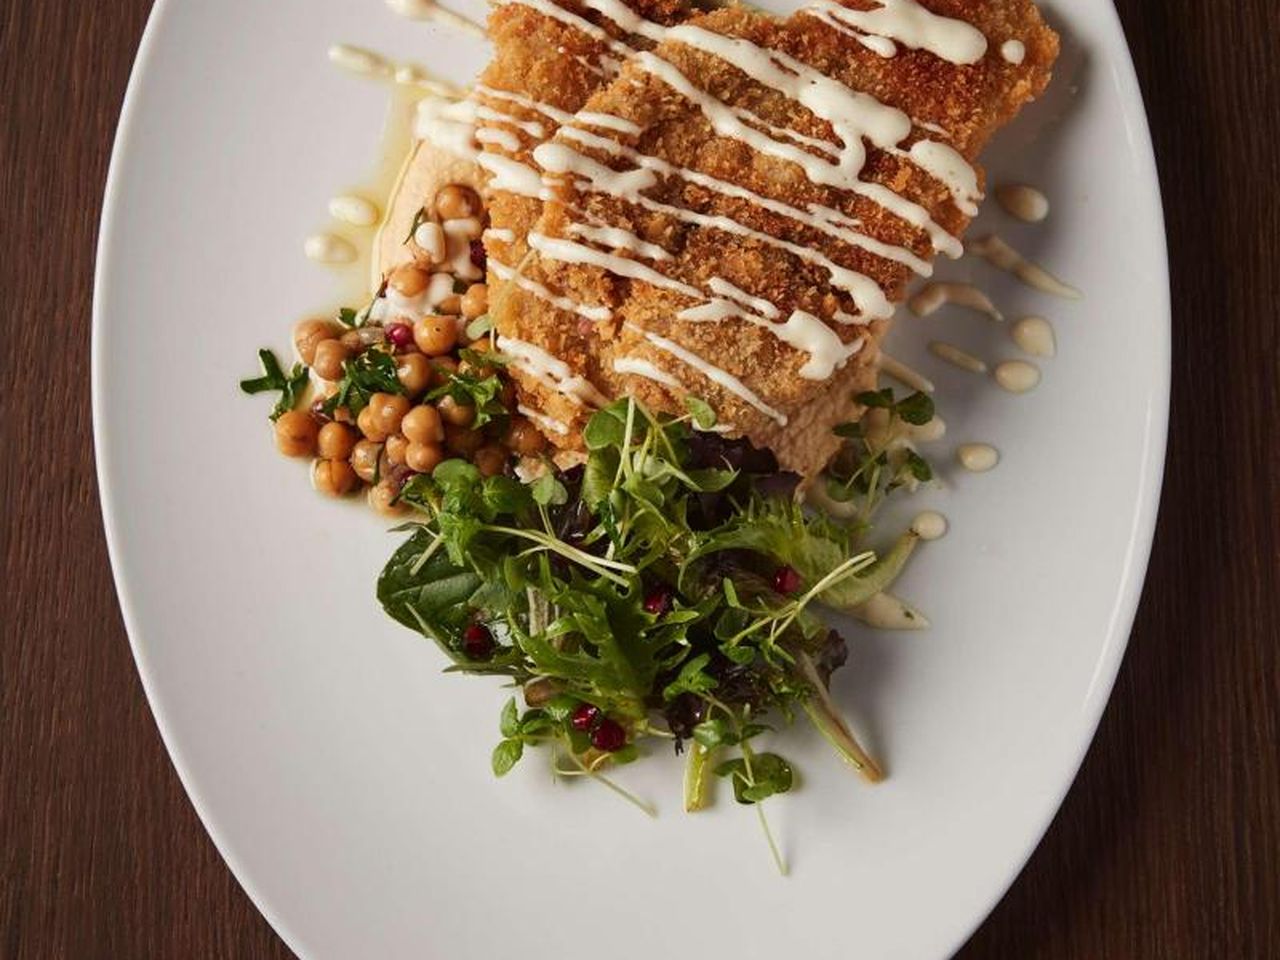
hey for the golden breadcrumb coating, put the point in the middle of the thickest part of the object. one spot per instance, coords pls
(961, 105)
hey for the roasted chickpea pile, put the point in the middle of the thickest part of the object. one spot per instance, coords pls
(379, 443)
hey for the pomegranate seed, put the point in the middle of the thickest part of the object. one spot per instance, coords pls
(584, 716)
(477, 642)
(478, 256)
(400, 334)
(657, 601)
(317, 412)
(786, 580)
(609, 736)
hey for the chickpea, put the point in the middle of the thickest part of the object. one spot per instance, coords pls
(328, 358)
(334, 477)
(335, 441)
(424, 457)
(456, 201)
(408, 280)
(524, 438)
(296, 434)
(388, 410)
(413, 370)
(452, 305)
(435, 335)
(370, 426)
(382, 497)
(309, 334)
(490, 460)
(458, 414)
(423, 425)
(475, 301)
(508, 395)
(364, 459)
(443, 368)
(396, 448)
(462, 441)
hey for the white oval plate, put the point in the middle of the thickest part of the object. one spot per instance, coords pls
(346, 780)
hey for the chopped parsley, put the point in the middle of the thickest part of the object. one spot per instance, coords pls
(291, 386)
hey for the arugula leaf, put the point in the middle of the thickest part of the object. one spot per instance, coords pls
(548, 491)
(373, 371)
(916, 409)
(422, 588)
(291, 387)
(876, 399)
(763, 776)
(506, 755)
(470, 390)
(704, 417)
(692, 678)
(918, 467)
(606, 428)
(509, 723)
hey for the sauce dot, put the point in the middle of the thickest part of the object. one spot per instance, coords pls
(929, 525)
(328, 248)
(1017, 376)
(1022, 202)
(977, 457)
(1034, 335)
(354, 210)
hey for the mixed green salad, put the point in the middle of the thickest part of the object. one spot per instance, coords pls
(667, 589)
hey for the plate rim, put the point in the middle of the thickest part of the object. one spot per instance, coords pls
(1136, 561)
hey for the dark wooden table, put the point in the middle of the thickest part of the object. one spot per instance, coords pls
(1168, 846)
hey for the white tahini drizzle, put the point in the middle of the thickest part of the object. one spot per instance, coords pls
(1025, 203)
(957, 357)
(907, 23)
(640, 367)
(588, 312)
(1013, 51)
(545, 423)
(620, 238)
(329, 248)
(430, 10)
(934, 296)
(550, 370)
(713, 373)
(1002, 256)
(904, 374)
(355, 210)
(977, 457)
(558, 158)
(1034, 335)
(929, 525)
(1017, 376)
(361, 61)
(449, 125)
(831, 222)
(885, 611)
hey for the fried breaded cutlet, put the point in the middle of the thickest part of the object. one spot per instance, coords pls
(736, 213)
(549, 60)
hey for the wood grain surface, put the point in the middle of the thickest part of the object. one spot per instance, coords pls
(1168, 845)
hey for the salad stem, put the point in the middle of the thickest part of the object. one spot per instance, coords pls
(824, 714)
(697, 778)
(768, 835)
(631, 798)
